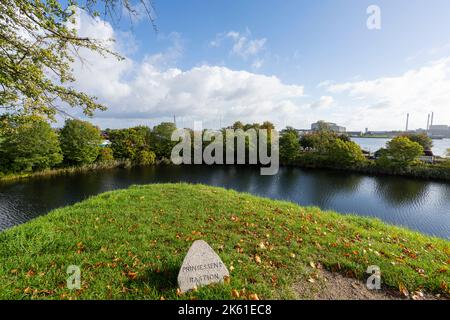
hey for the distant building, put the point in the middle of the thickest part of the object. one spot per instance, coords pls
(332, 126)
(355, 133)
(302, 132)
(442, 131)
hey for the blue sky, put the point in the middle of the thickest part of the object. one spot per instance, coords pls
(325, 39)
(348, 73)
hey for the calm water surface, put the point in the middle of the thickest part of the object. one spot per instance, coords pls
(417, 204)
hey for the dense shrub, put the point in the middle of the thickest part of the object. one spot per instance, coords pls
(160, 139)
(128, 143)
(422, 139)
(146, 157)
(400, 152)
(80, 142)
(32, 146)
(344, 153)
(105, 155)
(289, 145)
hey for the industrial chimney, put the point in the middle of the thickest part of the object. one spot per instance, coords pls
(407, 121)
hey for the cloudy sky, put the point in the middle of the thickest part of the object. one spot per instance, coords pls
(290, 62)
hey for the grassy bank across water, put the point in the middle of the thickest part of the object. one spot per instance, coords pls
(435, 172)
(130, 244)
(11, 177)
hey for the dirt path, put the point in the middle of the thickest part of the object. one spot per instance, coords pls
(332, 286)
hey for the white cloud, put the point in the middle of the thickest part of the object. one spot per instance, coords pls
(257, 63)
(243, 46)
(323, 102)
(385, 101)
(136, 92)
(324, 84)
(153, 90)
(96, 74)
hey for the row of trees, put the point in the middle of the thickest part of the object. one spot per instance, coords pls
(326, 148)
(320, 147)
(30, 144)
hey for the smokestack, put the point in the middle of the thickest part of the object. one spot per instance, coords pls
(407, 121)
(432, 119)
(428, 122)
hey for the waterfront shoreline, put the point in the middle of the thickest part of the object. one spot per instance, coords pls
(424, 173)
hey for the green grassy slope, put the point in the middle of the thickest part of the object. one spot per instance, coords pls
(130, 245)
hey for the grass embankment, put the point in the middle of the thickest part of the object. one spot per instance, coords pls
(6, 177)
(130, 245)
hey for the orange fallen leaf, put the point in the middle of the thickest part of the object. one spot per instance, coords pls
(253, 296)
(235, 293)
(30, 273)
(257, 259)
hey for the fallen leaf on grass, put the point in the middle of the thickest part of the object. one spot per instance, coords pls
(417, 295)
(235, 293)
(253, 296)
(30, 273)
(403, 290)
(132, 275)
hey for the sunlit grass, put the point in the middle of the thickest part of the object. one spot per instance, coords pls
(131, 243)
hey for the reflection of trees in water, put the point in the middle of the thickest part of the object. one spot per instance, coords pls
(398, 191)
(317, 187)
(326, 185)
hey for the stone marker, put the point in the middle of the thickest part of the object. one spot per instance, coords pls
(201, 266)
